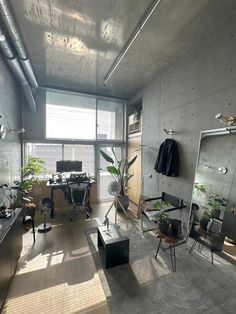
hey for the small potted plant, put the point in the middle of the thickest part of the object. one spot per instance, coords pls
(205, 219)
(163, 221)
(161, 204)
(216, 203)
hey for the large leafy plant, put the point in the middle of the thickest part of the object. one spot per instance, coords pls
(119, 168)
(31, 170)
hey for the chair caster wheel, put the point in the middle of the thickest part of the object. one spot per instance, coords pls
(87, 216)
(72, 219)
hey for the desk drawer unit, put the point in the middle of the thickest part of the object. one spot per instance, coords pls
(113, 246)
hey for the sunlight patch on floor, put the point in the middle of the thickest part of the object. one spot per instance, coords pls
(63, 298)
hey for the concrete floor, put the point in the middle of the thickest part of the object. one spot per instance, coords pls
(58, 274)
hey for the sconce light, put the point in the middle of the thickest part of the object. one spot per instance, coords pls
(225, 120)
(4, 130)
(169, 131)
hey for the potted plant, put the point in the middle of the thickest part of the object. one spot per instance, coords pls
(216, 203)
(30, 171)
(161, 204)
(205, 219)
(163, 221)
(119, 170)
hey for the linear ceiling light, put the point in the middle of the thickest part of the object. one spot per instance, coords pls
(132, 38)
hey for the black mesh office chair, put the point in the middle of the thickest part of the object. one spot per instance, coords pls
(78, 196)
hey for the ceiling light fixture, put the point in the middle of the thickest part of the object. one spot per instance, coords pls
(132, 38)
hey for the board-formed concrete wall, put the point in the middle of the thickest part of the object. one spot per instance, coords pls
(186, 98)
(10, 147)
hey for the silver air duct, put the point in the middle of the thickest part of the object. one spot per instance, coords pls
(11, 27)
(16, 68)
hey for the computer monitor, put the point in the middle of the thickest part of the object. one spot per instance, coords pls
(68, 166)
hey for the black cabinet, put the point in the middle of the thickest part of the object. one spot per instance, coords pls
(113, 246)
(10, 249)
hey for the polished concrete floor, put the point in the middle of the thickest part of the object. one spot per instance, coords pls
(58, 275)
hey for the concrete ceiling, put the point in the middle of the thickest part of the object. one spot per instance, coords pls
(72, 44)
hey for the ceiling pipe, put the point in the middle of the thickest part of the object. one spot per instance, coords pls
(131, 39)
(11, 27)
(16, 68)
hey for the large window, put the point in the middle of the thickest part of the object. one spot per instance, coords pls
(70, 116)
(81, 117)
(109, 120)
(51, 153)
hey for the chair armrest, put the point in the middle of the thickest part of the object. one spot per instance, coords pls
(174, 208)
(152, 199)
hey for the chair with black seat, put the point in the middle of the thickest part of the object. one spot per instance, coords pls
(174, 203)
(210, 237)
(173, 237)
(78, 195)
(28, 215)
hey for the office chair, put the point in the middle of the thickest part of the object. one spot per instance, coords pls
(78, 196)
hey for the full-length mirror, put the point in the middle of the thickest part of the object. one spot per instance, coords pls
(214, 191)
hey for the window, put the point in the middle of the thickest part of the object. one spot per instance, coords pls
(85, 153)
(70, 116)
(109, 119)
(50, 153)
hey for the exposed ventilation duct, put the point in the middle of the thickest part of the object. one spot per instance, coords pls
(16, 68)
(10, 24)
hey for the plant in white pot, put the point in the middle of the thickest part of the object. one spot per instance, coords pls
(119, 170)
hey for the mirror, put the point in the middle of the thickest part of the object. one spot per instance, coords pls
(214, 190)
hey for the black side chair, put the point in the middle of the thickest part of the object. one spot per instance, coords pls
(28, 216)
(174, 237)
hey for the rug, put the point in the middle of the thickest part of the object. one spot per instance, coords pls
(148, 285)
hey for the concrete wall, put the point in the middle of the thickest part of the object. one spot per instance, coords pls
(186, 98)
(10, 147)
(35, 122)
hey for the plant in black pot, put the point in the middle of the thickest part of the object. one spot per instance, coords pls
(216, 203)
(205, 219)
(163, 221)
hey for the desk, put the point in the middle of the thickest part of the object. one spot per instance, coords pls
(63, 186)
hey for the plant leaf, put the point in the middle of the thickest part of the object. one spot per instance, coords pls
(132, 161)
(113, 170)
(106, 157)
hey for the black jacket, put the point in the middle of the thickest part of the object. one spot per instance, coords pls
(167, 161)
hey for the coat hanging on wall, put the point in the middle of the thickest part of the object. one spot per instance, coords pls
(167, 161)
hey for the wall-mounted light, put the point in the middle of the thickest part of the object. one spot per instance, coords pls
(169, 131)
(227, 120)
(4, 130)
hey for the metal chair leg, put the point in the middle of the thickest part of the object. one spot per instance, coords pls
(193, 246)
(171, 258)
(159, 244)
(33, 229)
(174, 258)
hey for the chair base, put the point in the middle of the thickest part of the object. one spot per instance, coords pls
(44, 227)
